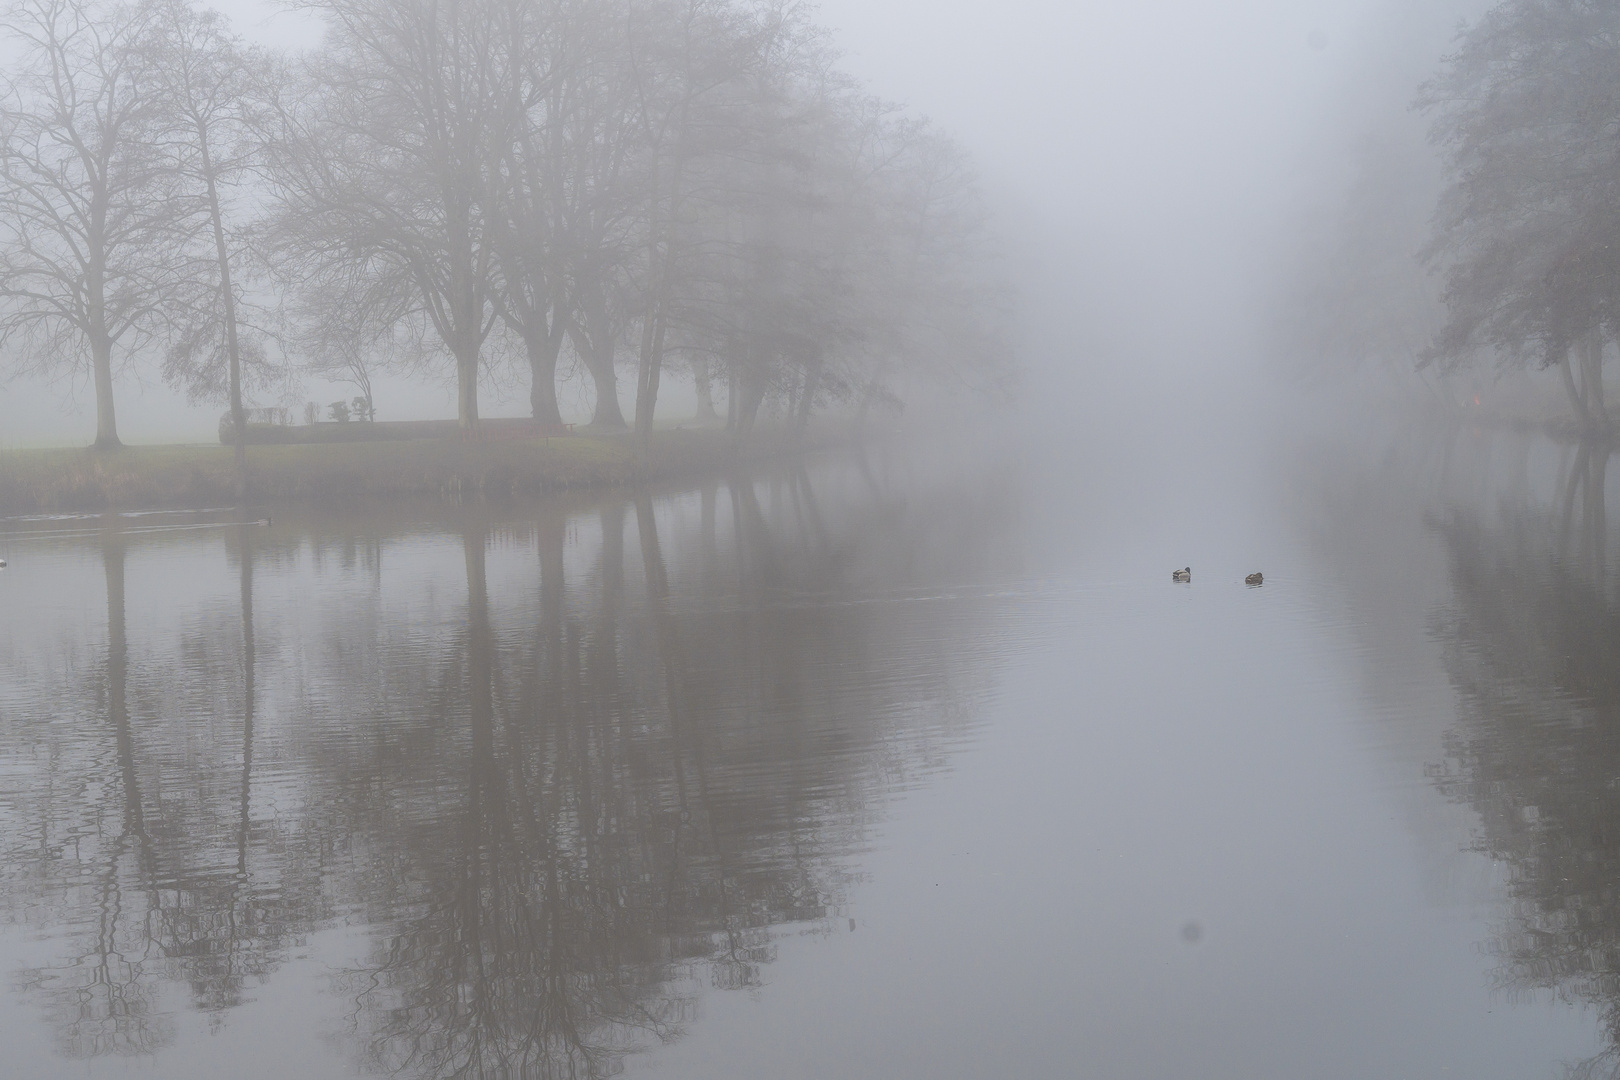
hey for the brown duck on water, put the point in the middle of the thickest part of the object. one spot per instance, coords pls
(1181, 575)
(1256, 578)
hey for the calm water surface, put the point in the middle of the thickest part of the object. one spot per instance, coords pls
(872, 768)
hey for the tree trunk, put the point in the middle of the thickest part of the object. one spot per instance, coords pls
(652, 367)
(753, 396)
(607, 413)
(736, 367)
(106, 421)
(652, 351)
(594, 344)
(1592, 380)
(233, 351)
(661, 236)
(101, 342)
(705, 391)
(1576, 400)
(651, 321)
(467, 387)
(731, 396)
(543, 350)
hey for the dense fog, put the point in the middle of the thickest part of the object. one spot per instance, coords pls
(473, 192)
(707, 538)
(1145, 196)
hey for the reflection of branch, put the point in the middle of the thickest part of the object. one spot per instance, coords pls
(246, 589)
(111, 1013)
(1604, 1066)
(553, 838)
(1534, 650)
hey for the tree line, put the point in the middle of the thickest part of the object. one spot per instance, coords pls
(1527, 232)
(647, 187)
(1494, 247)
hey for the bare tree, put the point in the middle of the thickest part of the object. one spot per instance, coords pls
(1526, 234)
(683, 58)
(695, 174)
(385, 170)
(209, 92)
(593, 139)
(86, 207)
(548, 43)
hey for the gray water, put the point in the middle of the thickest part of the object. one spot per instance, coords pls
(883, 766)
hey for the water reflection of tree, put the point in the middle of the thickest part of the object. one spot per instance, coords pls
(103, 1000)
(640, 795)
(142, 845)
(557, 818)
(1532, 642)
(510, 943)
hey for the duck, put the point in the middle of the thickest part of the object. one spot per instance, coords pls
(1256, 578)
(1184, 574)
(2, 564)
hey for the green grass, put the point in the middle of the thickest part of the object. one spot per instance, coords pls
(43, 481)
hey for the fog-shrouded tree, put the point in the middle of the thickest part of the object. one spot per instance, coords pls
(385, 166)
(843, 249)
(693, 65)
(549, 46)
(591, 137)
(88, 214)
(788, 298)
(1526, 233)
(682, 183)
(210, 93)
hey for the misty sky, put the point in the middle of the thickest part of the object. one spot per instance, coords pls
(1151, 162)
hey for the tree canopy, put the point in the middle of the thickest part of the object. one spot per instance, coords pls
(686, 186)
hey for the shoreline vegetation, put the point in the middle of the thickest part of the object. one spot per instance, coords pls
(331, 474)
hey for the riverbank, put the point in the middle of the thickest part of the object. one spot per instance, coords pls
(140, 477)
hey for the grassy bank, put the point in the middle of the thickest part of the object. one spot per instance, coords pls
(44, 481)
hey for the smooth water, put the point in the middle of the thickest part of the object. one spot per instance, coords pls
(886, 766)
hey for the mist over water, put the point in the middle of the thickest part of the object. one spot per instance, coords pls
(893, 756)
(776, 772)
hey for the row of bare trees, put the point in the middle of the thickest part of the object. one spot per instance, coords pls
(1494, 249)
(645, 186)
(1527, 234)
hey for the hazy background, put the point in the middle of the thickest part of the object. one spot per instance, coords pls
(1166, 174)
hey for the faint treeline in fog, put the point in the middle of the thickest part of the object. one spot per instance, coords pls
(489, 187)
(1494, 248)
(1525, 234)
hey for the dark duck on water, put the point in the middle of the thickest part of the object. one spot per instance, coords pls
(1184, 574)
